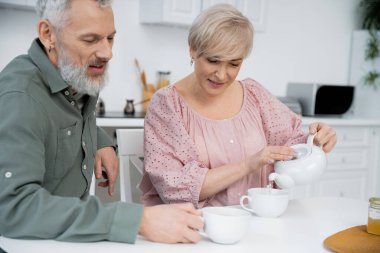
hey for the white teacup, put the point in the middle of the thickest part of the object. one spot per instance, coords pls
(266, 202)
(225, 225)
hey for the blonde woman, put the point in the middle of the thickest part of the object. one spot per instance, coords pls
(210, 137)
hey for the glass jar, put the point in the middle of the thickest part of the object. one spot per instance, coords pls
(373, 226)
(163, 79)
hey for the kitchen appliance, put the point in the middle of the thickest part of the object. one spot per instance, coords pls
(292, 103)
(322, 99)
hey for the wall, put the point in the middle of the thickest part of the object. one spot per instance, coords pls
(304, 40)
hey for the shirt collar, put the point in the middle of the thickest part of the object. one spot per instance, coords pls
(49, 72)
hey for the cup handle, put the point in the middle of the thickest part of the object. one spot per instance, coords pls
(202, 231)
(242, 198)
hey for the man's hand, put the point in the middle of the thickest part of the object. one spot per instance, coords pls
(171, 223)
(106, 158)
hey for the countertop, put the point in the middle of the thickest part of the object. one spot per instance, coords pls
(119, 119)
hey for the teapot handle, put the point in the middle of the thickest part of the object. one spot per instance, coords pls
(310, 140)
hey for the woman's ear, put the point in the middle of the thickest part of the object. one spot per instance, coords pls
(192, 53)
(46, 35)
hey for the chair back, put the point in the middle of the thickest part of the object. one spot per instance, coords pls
(130, 150)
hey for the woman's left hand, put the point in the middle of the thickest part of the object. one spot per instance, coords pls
(325, 135)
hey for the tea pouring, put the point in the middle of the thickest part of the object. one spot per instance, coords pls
(308, 165)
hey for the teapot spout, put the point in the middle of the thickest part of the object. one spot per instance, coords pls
(282, 181)
(273, 176)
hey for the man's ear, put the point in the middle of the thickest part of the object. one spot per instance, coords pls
(46, 35)
(48, 38)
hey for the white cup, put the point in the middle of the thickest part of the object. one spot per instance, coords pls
(225, 225)
(266, 202)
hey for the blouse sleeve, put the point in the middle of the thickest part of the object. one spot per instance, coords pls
(281, 125)
(171, 159)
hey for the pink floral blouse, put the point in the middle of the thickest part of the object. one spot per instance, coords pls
(181, 145)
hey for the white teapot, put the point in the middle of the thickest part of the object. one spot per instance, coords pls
(308, 165)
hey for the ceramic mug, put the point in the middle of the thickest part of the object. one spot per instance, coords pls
(225, 225)
(266, 202)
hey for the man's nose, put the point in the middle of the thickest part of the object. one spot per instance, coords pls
(105, 50)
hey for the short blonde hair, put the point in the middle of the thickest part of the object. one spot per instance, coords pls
(221, 31)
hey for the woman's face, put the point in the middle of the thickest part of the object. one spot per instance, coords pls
(213, 75)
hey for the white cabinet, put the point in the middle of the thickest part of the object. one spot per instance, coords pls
(169, 12)
(183, 12)
(252, 9)
(19, 4)
(353, 167)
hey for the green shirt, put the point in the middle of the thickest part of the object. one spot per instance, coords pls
(47, 150)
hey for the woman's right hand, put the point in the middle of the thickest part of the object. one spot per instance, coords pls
(269, 155)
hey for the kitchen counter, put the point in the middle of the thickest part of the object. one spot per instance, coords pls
(120, 120)
(341, 121)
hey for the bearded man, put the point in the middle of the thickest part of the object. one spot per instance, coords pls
(50, 145)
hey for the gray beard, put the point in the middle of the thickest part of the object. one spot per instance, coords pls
(76, 76)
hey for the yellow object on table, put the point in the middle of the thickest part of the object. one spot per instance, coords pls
(147, 96)
(353, 240)
(373, 226)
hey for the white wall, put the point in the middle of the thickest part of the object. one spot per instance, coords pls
(304, 40)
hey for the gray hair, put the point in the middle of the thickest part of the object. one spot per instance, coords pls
(222, 31)
(55, 10)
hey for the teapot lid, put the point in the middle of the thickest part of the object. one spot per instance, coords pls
(301, 151)
(304, 150)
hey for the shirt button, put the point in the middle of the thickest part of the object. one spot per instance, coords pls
(8, 174)
(231, 141)
(68, 132)
(85, 167)
(72, 103)
(67, 93)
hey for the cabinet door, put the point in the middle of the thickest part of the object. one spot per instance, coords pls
(169, 12)
(348, 184)
(182, 12)
(252, 9)
(19, 4)
(341, 159)
(15, 2)
(31, 3)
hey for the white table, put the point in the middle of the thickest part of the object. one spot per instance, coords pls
(302, 228)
